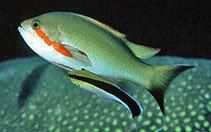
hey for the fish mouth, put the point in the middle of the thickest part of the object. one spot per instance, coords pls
(25, 34)
(22, 31)
(22, 25)
(20, 28)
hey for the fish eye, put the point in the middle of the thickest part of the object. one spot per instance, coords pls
(35, 24)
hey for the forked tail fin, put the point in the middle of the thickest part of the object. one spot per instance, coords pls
(162, 77)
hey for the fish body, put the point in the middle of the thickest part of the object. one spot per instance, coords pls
(106, 53)
(75, 42)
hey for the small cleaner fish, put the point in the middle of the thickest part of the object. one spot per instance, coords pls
(98, 57)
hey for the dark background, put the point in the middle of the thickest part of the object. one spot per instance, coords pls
(178, 27)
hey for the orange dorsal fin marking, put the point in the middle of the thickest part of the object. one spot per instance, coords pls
(58, 47)
(106, 26)
(82, 53)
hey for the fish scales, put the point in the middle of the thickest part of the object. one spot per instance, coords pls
(96, 44)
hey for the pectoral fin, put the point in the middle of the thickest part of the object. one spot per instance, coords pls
(78, 55)
(105, 89)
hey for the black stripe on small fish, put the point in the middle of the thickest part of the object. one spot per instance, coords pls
(123, 96)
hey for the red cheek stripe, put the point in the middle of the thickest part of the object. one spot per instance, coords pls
(43, 36)
(58, 47)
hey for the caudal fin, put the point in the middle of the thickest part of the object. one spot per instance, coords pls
(162, 77)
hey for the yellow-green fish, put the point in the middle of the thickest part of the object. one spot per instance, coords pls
(97, 56)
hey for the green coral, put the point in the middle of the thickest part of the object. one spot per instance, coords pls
(56, 105)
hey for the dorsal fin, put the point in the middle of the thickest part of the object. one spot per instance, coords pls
(141, 51)
(115, 32)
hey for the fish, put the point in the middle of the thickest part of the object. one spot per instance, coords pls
(98, 57)
(105, 89)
